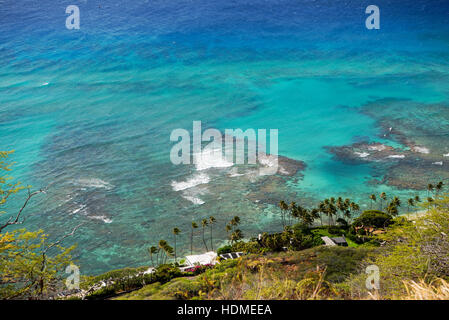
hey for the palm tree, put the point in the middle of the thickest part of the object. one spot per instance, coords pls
(211, 222)
(439, 186)
(417, 199)
(204, 225)
(396, 201)
(235, 221)
(430, 188)
(194, 226)
(321, 210)
(392, 209)
(373, 199)
(236, 235)
(153, 250)
(176, 231)
(315, 214)
(168, 252)
(292, 205)
(410, 203)
(340, 205)
(429, 201)
(162, 246)
(383, 197)
(284, 208)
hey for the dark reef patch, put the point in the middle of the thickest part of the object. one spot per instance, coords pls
(413, 144)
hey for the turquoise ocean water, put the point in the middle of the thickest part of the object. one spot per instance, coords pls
(90, 111)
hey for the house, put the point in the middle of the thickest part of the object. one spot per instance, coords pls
(201, 259)
(232, 255)
(337, 241)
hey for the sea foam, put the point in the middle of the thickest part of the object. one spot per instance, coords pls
(196, 180)
(94, 183)
(211, 158)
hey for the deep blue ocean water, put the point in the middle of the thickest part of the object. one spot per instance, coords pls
(90, 111)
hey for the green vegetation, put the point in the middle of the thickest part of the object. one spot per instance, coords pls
(30, 264)
(412, 256)
(373, 219)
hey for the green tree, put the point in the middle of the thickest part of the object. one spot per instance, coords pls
(383, 197)
(212, 220)
(373, 199)
(410, 203)
(153, 251)
(204, 225)
(284, 207)
(30, 266)
(236, 235)
(176, 232)
(439, 187)
(430, 188)
(194, 226)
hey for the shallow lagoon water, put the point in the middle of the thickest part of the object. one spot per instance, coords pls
(91, 111)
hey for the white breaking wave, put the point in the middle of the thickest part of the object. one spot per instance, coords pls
(194, 200)
(102, 218)
(234, 173)
(377, 147)
(81, 207)
(196, 180)
(362, 154)
(420, 149)
(446, 155)
(211, 158)
(438, 163)
(397, 156)
(94, 183)
(270, 165)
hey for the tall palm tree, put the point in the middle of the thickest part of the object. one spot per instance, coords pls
(204, 225)
(340, 205)
(284, 208)
(430, 188)
(162, 248)
(410, 203)
(211, 222)
(315, 214)
(176, 231)
(291, 207)
(331, 211)
(235, 221)
(321, 210)
(236, 235)
(417, 199)
(392, 209)
(228, 229)
(373, 199)
(396, 201)
(168, 252)
(194, 226)
(439, 186)
(383, 197)
(429, 201)
(153, 250)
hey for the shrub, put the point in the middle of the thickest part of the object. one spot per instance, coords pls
(373, 218)
(224, 249)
